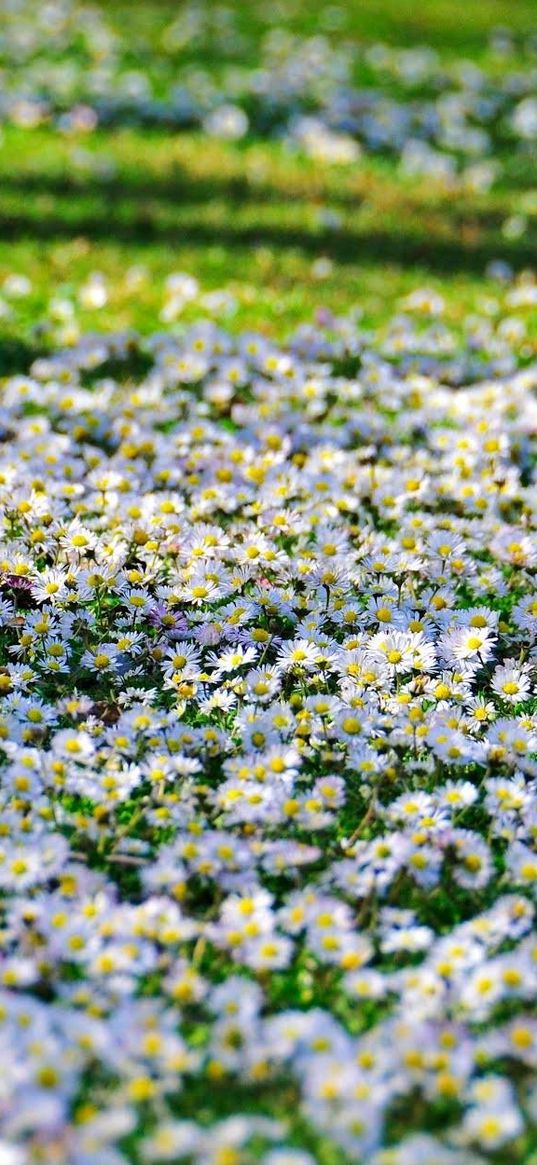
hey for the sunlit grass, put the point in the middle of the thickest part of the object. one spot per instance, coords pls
(253, 218)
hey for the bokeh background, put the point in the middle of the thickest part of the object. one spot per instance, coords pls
(115, 169)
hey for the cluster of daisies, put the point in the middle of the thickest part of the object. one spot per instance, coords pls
(68, 63)
(268, 810)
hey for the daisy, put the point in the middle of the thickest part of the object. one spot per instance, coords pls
(50, 585)
(298, 654)
(468, 645)
(511, 682)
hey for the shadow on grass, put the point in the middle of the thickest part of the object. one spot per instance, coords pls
(17, 355)
(181, 186)
(468, 250)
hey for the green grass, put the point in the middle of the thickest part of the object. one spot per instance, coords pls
(451, 27)
(251, 217)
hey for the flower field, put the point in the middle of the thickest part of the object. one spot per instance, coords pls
(268, 585)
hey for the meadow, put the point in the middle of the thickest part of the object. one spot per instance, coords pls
(268, 597)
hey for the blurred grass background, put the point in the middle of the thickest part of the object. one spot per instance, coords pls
(249, 216)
